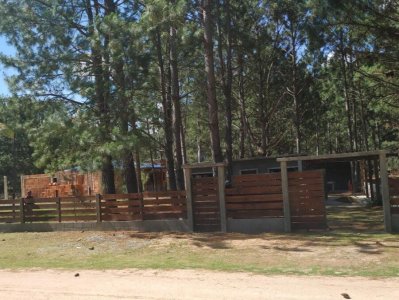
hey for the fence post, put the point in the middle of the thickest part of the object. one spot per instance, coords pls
(22, 186)
(58, 200)
(222, 200)
(189, 198)
(286, 199)
(98, 208)
(21, 210)
(386, 201)
(5, 187)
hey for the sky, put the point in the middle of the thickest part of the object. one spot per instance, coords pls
(8, 50)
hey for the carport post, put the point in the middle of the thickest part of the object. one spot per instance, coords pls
(5, 188)
(286, 199)
(222, 200)
(189, 197)
(385, 191)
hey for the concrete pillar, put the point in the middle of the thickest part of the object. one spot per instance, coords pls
(386, 202)
(222, 199)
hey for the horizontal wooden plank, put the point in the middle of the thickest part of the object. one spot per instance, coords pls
(164, 201)
(40, 212)
(260, 190)
(78, 211)
(40, 200)
(251, 214)
(9, 207)
(133, 203)
(78, 205)
(173, 194)
(78, 199)
(12, 201)
(134, 196)
(155, 209)
(242, 184)
(254, 198)
(8, 213)
(251, 206)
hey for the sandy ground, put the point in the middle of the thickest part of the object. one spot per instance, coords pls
(186, 284)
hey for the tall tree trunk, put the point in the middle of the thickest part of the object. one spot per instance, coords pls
(211, 81)
(241, 93)
(177, 120)
(101, 100)
(227, 78)
(167, 113)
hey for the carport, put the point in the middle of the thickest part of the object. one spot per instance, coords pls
(380, 157)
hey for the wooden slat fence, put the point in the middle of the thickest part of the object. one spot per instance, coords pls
(206, 209)
(255, 196)
(145, 206)
(307, 199)
(116, 207)
(9, 211)
(394, 194)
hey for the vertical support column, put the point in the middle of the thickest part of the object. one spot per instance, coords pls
(385, 191)
(378, 198)
(98, 208)
(286, 199)
(5, 188)
(300, 165)
(58, 200)
(22, 187)
(189, 198)
(222, 200)
(21, 210)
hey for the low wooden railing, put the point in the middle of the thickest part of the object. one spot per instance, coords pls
(100, 208)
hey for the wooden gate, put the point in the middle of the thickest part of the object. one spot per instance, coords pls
(206, 210)
(307, 196)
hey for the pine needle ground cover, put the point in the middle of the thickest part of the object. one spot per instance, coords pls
(335, 254)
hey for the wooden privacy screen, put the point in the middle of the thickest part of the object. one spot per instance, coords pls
(60, 209)
(206, 212)
(9, 211)
(307, 197)
(255, 196)
(118, 207)
(145, 206)
(394, 194)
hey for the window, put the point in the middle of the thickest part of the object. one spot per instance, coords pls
(249, 171)
(201, 175)
(278, 170)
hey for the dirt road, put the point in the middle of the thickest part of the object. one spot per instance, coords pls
(185, 284)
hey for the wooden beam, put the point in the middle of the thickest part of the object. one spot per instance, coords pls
(189, 198)
(385, 192)
(286, 199)
(204, 165)
(348, 156)
(222, 200)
